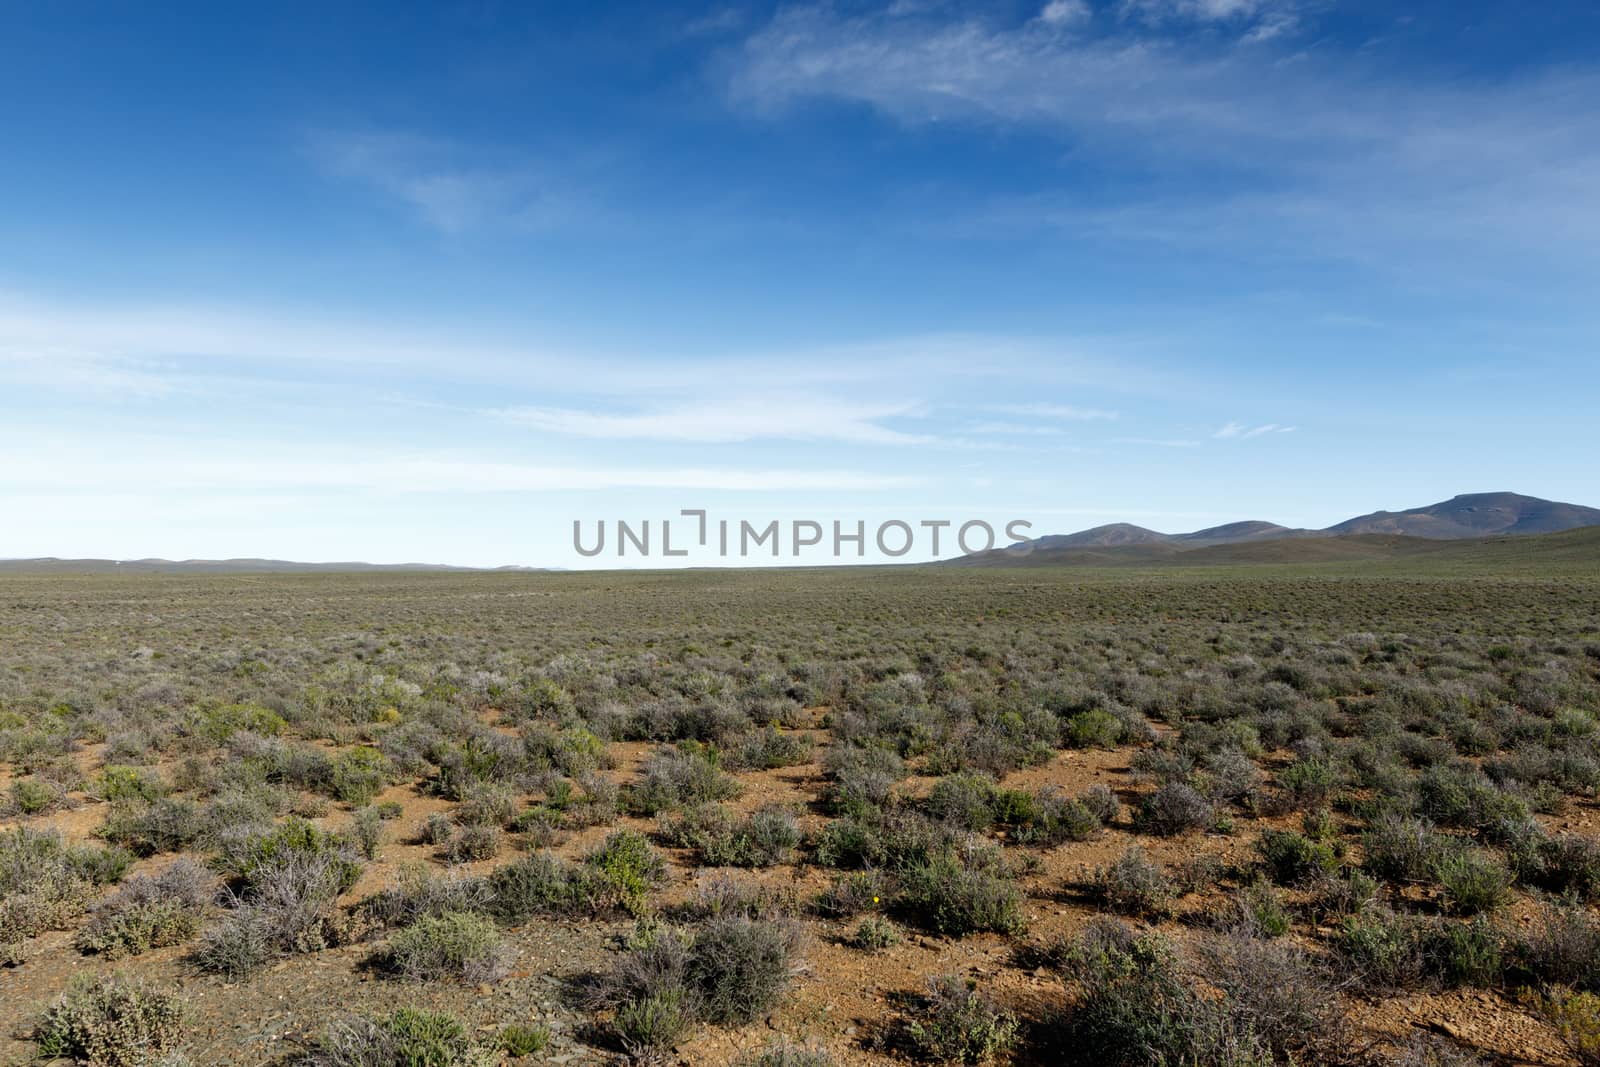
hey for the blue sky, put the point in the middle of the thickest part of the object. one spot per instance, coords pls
(430, 282)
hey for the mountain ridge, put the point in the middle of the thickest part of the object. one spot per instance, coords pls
(1466, 515)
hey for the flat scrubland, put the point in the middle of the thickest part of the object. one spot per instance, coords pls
(1310, 814)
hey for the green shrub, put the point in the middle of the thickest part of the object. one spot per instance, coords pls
(456, 945)
(1470, 954)
(957, 1024)
(626, 869)
(168, 824)
(1309, 782)
(475, 841)
(129, 784)
(875, 933)
(1138, 1004)
(536, 884)
(965, 800)
(1293, 859)
(690, 773)
(252, 859)
(1404, 849)
(31, 796)
(1473, 882)
(1053, 818)
(1384, 950)
(138, 928)
(1173, 809)
(1133, 885)
(407, 1038)
(854, 893)
(653, 1022)
(1576, 1017)
(110, 1022)
(356, 775)
(783, 1054)
(767, 837)
(516, 1040)
(1263, 910)
(221, 723)
(769, 748)
(851, 842)
(1464, 797)
(951, 896)
(367, 832)
(740, 968)
(1095, 728)
(44, 885)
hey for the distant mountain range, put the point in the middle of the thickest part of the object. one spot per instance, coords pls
(1468, 515)
(1382, 534)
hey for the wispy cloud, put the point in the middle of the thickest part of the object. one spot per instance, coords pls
(1066, 12)
(1243, 432)
(1323, 155)
(1055, 411)
(1156, 442)
(175, 468)
(444, 188)
(1262, 19)
(739, 418)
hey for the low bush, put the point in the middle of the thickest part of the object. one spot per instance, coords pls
(1291, 858)
(1095, 728)
(784, 1054)
(1134, 885)
(624, 869)
(455, 945)
(1173, 809)
(168, 824)
(874, 934)
(1576, 1017)
(137, 928)
(122, 784)
(957, 1024)
(1141, 1003)
(854, 893)
(689, 773)
(953, 895)
(1400, 848)
(730, 972)
(45, 884)
(419, 892)
(474, 841)
(740, 967)
(287, 880)
(536, 884)
(1055, 818)
(769, 748)
(518, 1040)
(1563, 948)
(252, 859)
(1473, 882)
(406, 1038)
(110, 1022)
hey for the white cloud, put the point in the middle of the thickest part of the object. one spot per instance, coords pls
(1156, 442)
(1066, 13)
(1055, 411)
(263, 468)
(1243, 432)
(1198, 10)
(445, 191)
(1318, 155)
(739, 418)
